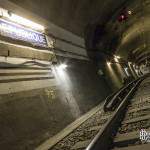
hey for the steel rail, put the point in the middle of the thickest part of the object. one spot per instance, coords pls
(103, 140)
(114, 99)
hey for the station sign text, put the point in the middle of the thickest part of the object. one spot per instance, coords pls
(18, 32)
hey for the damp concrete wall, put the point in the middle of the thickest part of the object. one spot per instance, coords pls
(65, 41)
(38, 99)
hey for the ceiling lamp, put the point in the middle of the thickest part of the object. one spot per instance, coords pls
(8, 15)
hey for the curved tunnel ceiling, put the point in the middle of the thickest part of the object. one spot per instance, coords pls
(135, 40)
(73, 15)
(98, 22)
(128, 38)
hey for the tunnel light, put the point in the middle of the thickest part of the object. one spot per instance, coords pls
(129, 12)
(122, 16)
(25, 22)
(61, 70)
(20, 20)
(118, 57)
(62, 66)
(108, 63)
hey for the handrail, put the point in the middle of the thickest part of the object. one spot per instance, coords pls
(112, 99)
(102, 140)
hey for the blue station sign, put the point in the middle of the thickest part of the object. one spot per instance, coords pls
(18, 32)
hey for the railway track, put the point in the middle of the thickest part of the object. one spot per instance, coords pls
(137, 117)
(126, 113)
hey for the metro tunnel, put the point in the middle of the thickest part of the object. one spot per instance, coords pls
(74, 75)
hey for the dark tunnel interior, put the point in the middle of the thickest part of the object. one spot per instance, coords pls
(60, 59)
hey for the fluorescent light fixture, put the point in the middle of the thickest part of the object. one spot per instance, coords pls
(25, 22)
(20, 20)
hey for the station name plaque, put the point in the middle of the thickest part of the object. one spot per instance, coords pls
(22, 33)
